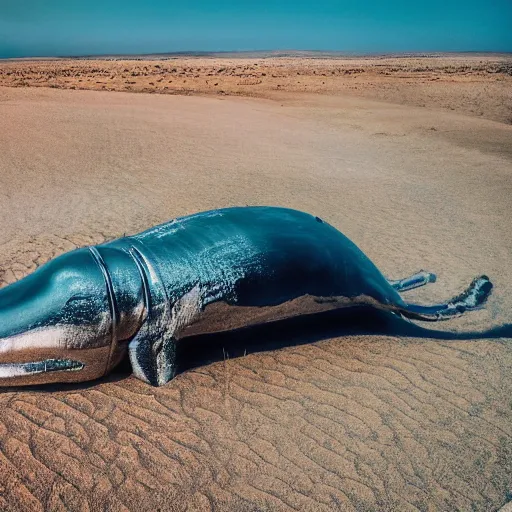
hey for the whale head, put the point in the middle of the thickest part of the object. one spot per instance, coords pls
(56, 323)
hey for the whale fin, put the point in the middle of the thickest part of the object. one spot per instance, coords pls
(153, 355)
(153, 350)
(421, 278)
(471, 299)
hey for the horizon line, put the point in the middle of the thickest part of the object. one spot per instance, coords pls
(265, 52)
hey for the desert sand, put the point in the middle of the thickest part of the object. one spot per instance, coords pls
(474, 84)
(341, 412)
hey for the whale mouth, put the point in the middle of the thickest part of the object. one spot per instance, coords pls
(10, 370)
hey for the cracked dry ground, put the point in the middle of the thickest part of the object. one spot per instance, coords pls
(338, 416)
(353, 423)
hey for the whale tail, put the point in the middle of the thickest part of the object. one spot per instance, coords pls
(471, 299)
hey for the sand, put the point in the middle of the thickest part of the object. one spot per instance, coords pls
(474, 84)
(355, 412)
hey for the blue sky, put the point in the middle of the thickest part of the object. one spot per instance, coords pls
(81, 27)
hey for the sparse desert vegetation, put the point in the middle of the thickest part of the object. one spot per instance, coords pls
(479, 85)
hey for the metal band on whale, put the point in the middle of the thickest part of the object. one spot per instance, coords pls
(75, 318)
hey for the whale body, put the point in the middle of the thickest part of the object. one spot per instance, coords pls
(76, 317)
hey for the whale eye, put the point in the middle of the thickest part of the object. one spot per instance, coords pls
(81, 309)
(76, 298)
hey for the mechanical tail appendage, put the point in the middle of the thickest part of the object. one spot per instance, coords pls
(421, 278)
(470, 300)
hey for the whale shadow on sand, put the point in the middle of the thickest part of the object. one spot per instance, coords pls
(208, 348)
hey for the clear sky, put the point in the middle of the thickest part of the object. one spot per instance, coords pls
(82, 27)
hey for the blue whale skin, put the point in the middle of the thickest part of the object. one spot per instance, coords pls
(78, 315)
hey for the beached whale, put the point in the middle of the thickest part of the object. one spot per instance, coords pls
(75, 317)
